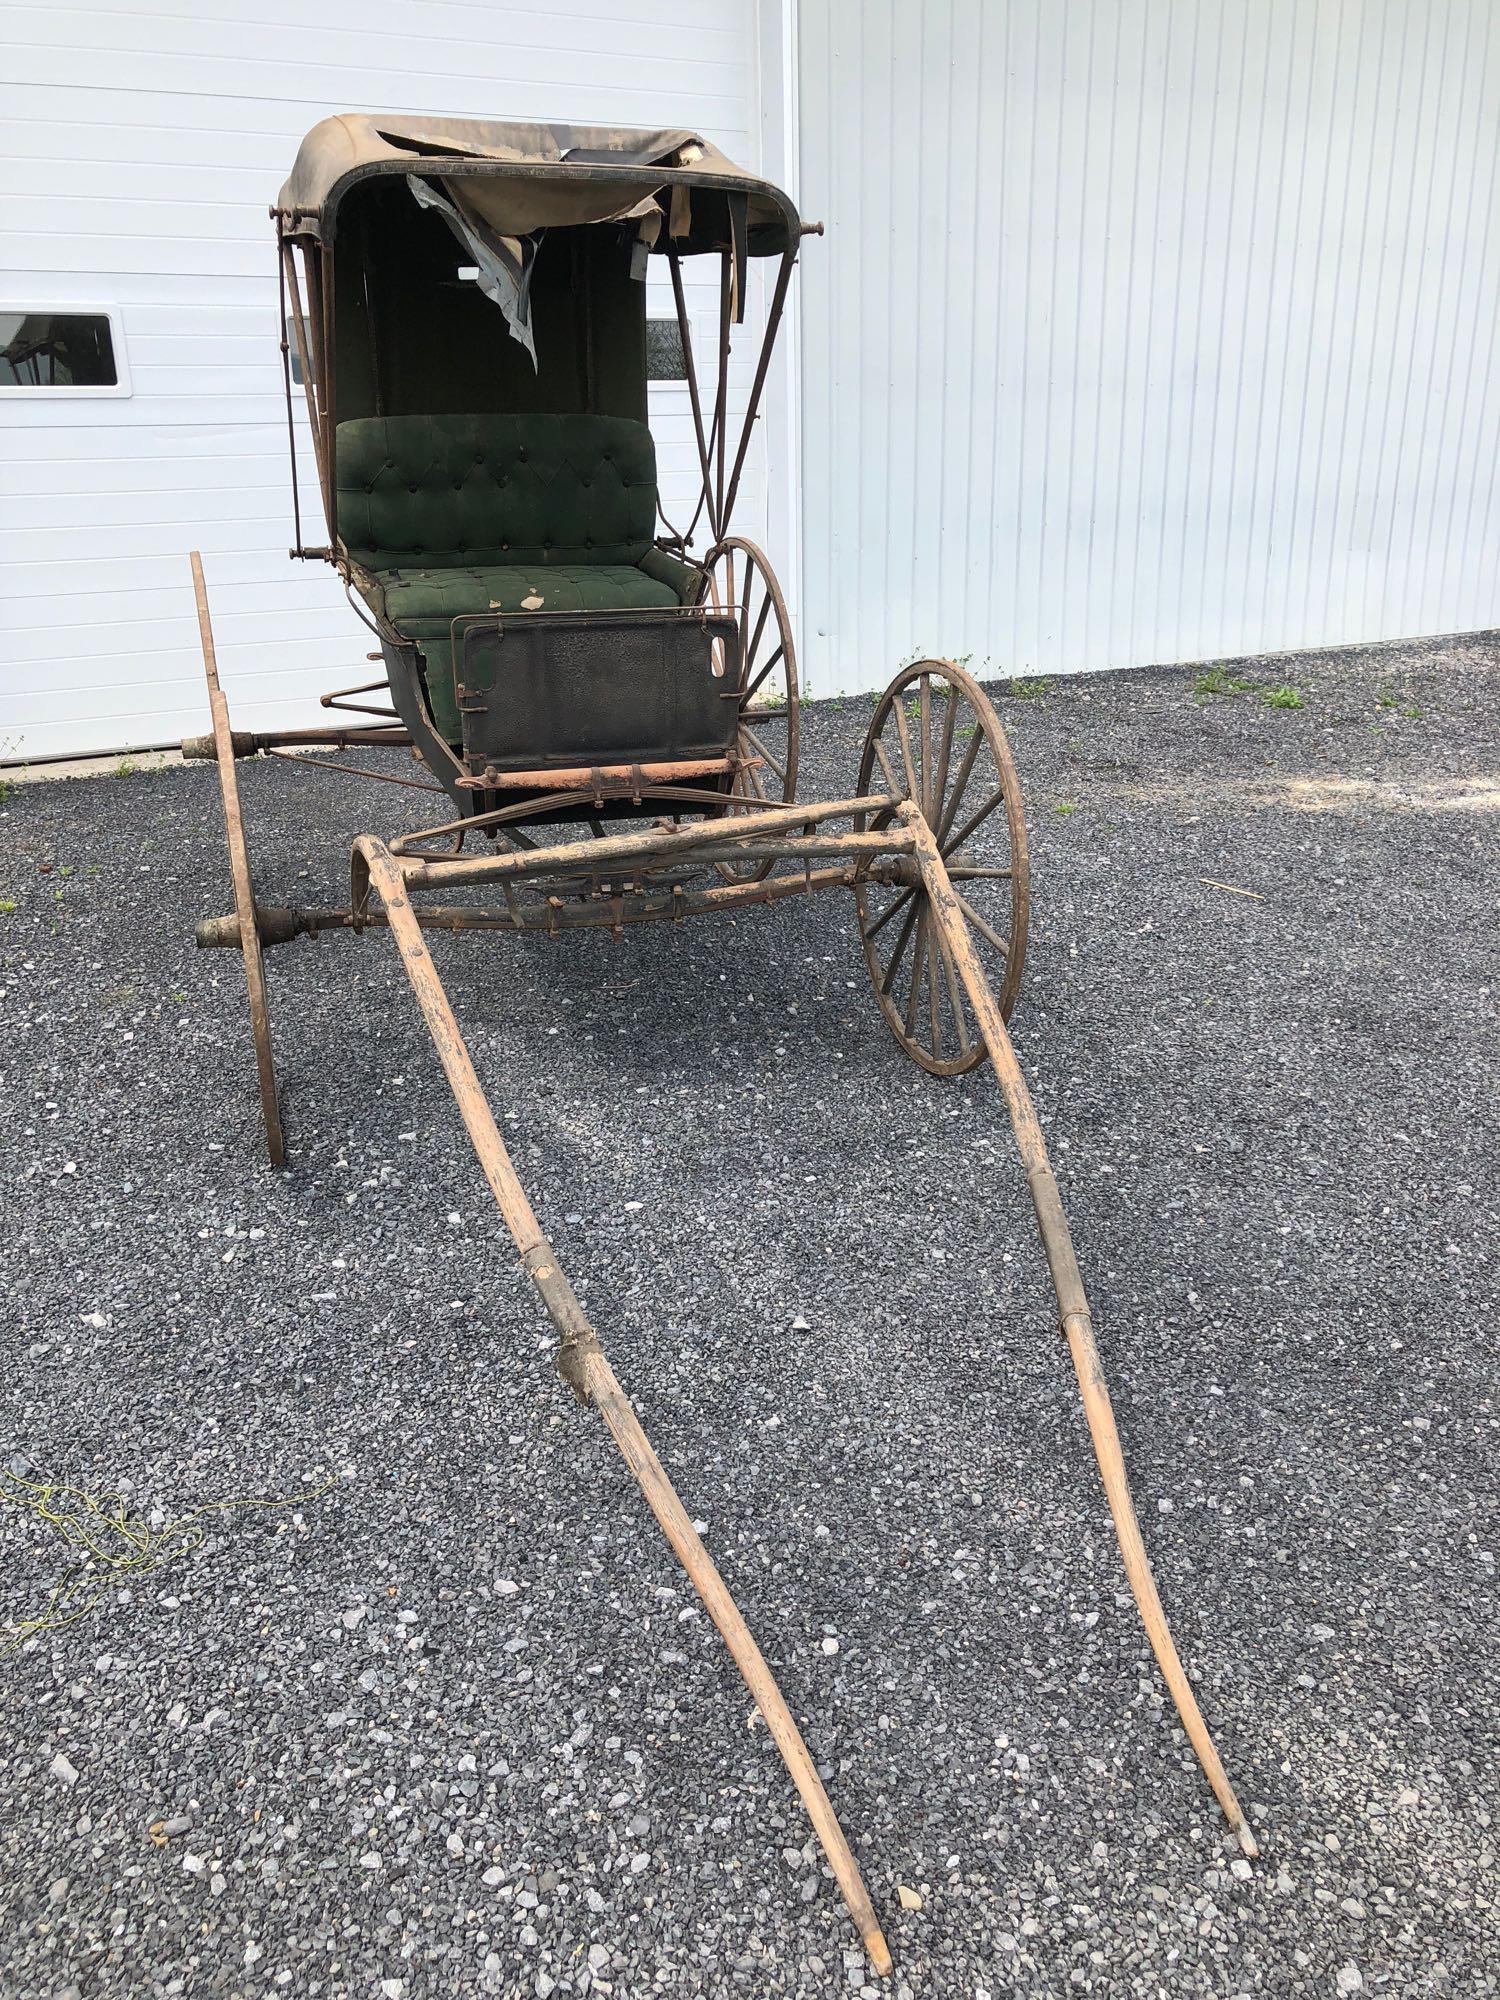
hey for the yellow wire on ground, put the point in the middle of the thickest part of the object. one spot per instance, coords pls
(115, 1546)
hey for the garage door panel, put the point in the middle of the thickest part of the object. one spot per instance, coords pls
(140, 148)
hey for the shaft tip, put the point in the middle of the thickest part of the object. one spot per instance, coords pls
(1247, 1840)
(878, 1951)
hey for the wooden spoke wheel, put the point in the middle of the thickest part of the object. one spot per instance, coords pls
(742, 581)
(244, 886)
(936, 739)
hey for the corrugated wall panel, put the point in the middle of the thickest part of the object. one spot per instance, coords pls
(1146, 329)
(140, 147)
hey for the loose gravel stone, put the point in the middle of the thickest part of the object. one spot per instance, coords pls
(1272, 1120)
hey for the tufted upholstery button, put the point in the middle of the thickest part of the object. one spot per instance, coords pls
(470, 479)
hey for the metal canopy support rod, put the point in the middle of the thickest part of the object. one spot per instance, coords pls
(773, 321)
(685, 333)
(1073, 1309)
(583, 1366)
(286, 376)
(312, 384)
(721, 402)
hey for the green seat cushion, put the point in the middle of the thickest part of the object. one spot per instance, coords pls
(451, 515)
(461, 492)
(422, 604)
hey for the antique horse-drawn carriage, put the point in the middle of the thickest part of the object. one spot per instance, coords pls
(613, 722)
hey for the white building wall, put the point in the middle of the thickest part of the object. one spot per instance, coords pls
(1146, 329)
(140, 148)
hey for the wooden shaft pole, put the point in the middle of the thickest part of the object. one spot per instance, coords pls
(239, 870)
(635, 1448)
(431, 871)
(1073, 1310)
(583, 1366)
(250, 742)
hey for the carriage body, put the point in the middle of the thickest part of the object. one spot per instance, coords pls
(467, 309)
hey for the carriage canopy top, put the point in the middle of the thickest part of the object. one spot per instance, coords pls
(522, 178)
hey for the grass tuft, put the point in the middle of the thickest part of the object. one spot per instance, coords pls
(1218, 680)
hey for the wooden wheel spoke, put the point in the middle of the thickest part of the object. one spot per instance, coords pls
(955, 998)
(918, 961)
(932, 997)
(752, 784)
(893, 966)
(761, 751)
(996, 798)
(885, 916)
(885, 764)
(756, 685)
(743, 586)
(982, 925)
(750, 650)
(945, 750)
(913, 788)
(924, 713)
(960, 786)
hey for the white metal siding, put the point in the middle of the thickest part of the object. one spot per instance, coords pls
(1147, 329)
(140, 148)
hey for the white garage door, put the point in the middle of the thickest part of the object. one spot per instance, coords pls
(1154, 330)
(140, 148)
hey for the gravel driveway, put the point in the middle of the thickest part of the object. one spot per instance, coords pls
(452, 1724)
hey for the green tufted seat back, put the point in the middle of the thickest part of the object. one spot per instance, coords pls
(475, 491)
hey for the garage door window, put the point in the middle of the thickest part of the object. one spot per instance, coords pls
(51, 353)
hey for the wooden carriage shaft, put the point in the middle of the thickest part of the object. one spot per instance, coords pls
(582, 1364)
(239, 867)
(654, 844)
(1073, 1308)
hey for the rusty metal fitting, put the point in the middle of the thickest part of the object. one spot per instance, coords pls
(274, 924)
(243, 742)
